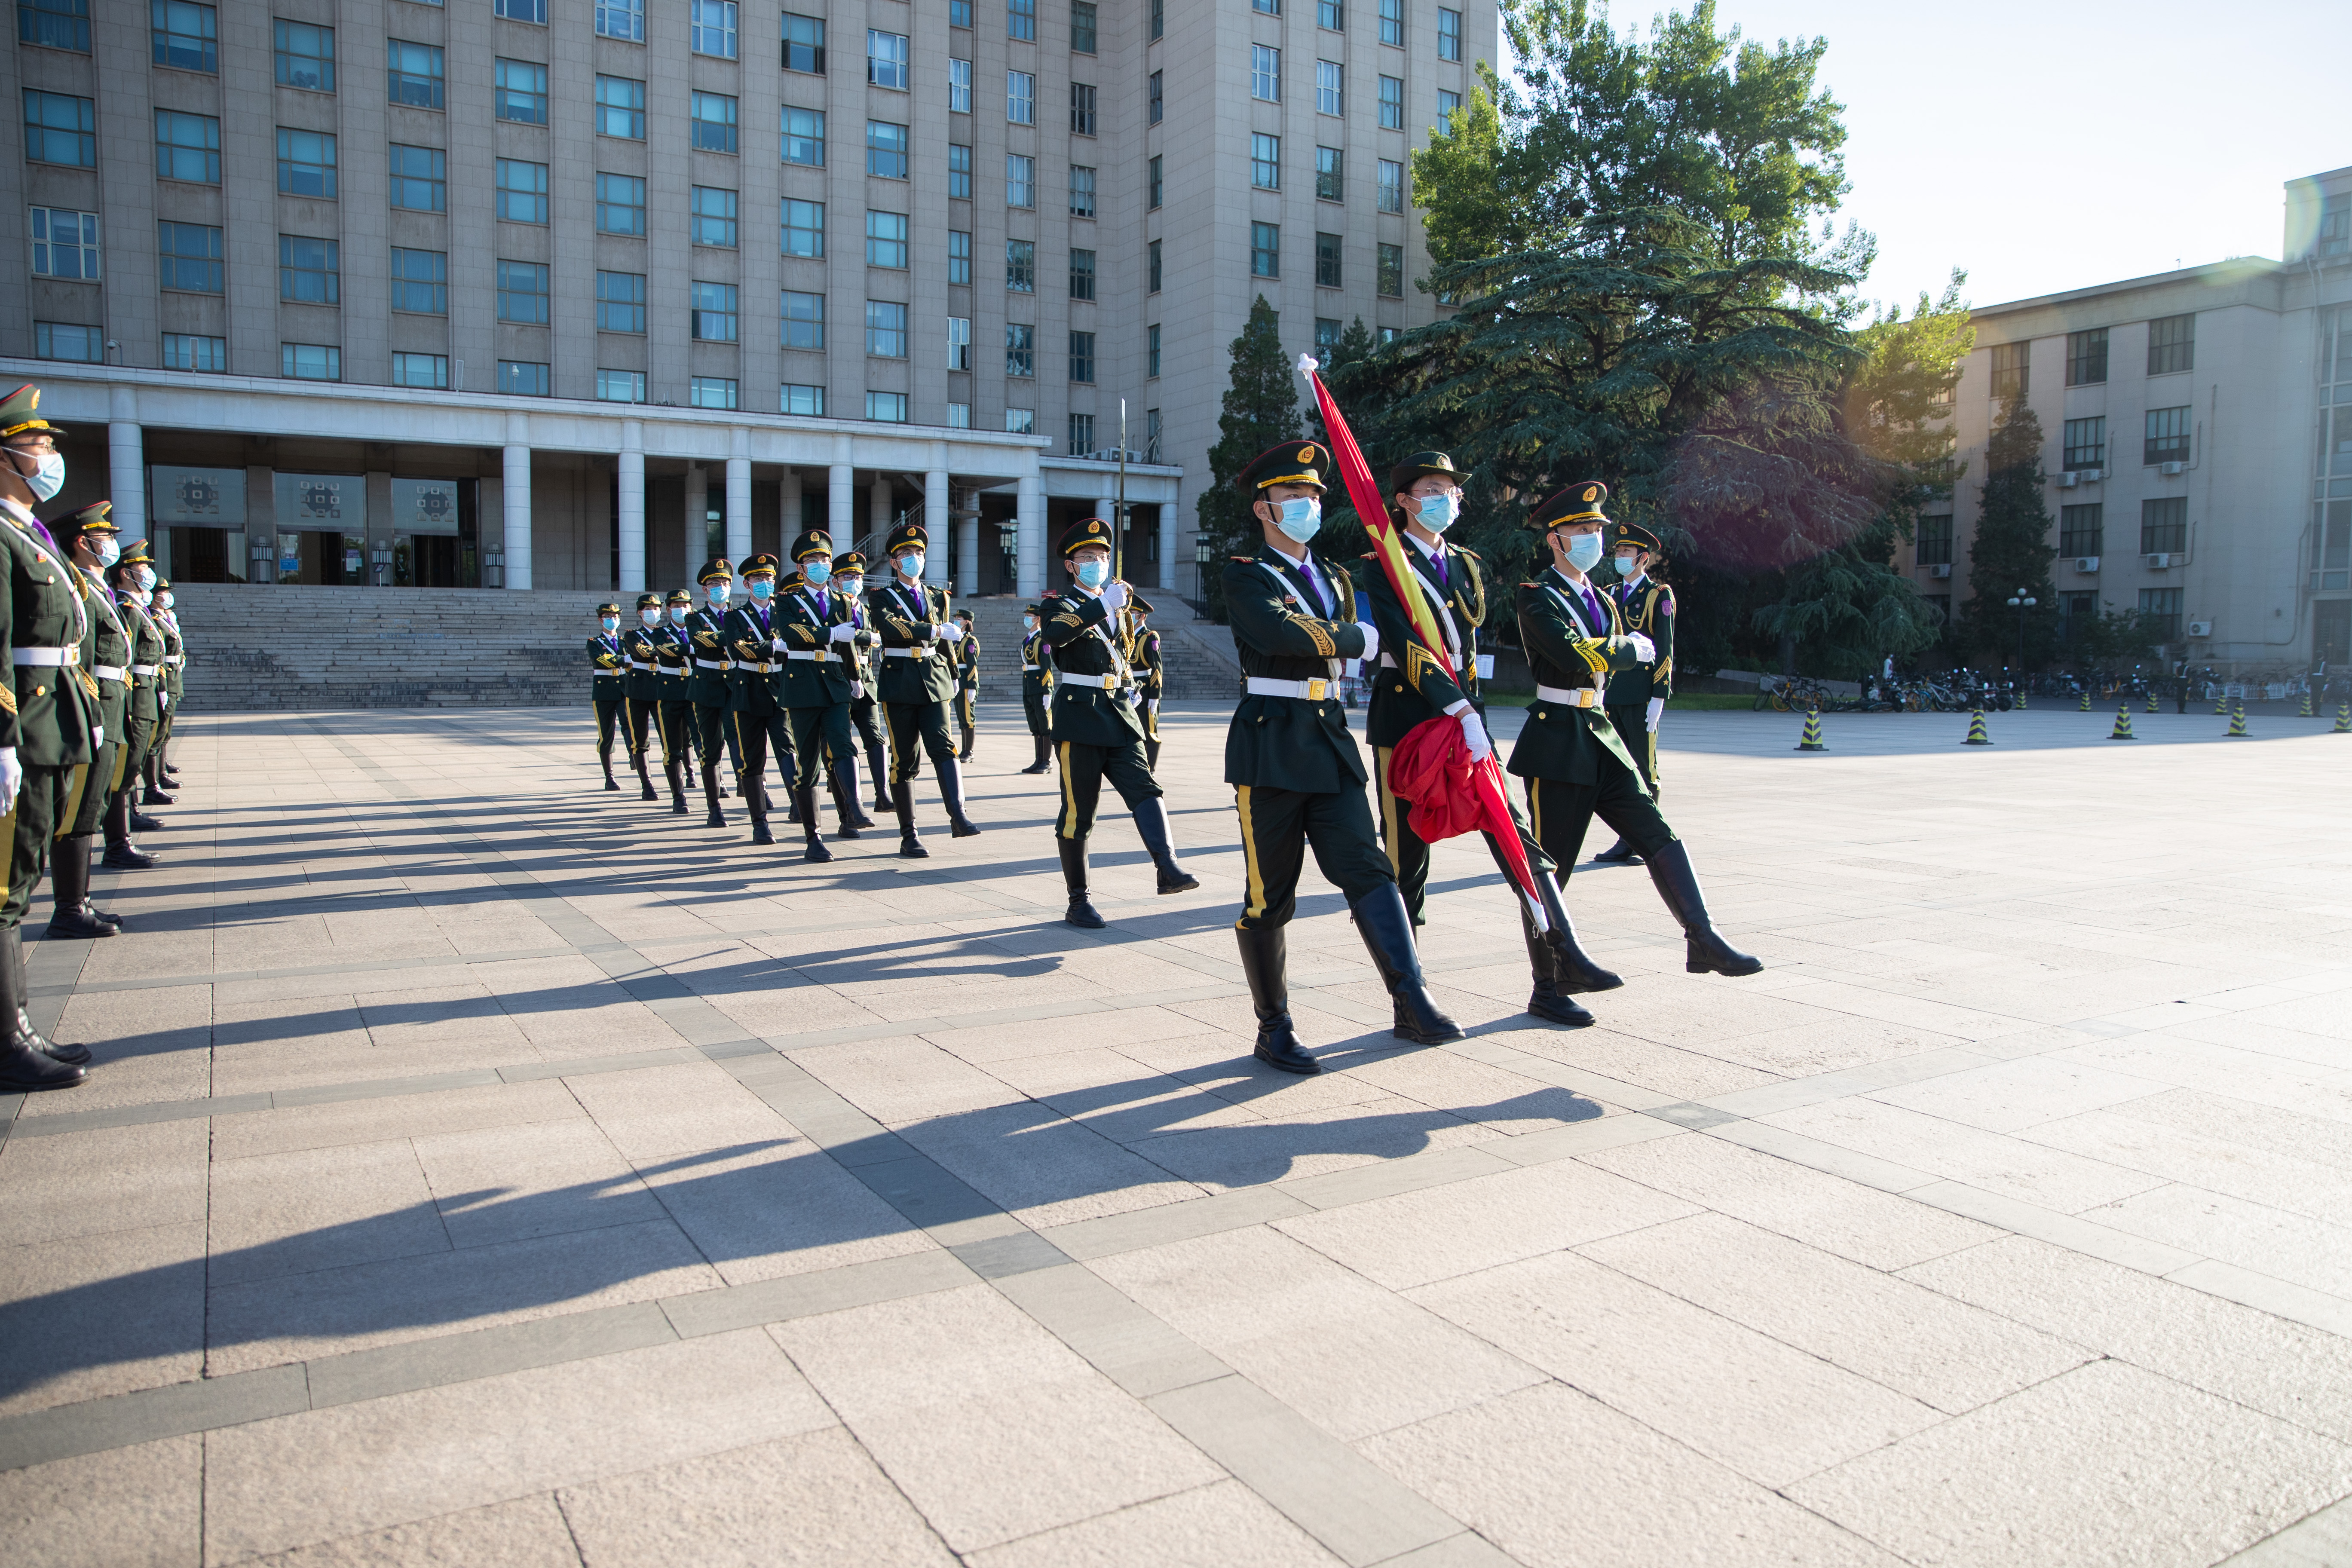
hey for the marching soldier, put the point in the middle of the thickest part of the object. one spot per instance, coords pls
(706, 683)
(1096, 731)
(1575, 763)
(160, 775)
(821, 645)
(673, 666)
(89, 537)
(759, 723)
(849, 576)
(919, 683)
(607, 687)
(1637, 697)
(1150, 676)
(642, 683)
(1297, 778)
(132, 577)
(49, 710)
(1037, 684)
(967, 681)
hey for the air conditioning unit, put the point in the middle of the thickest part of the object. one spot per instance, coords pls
(1939, 571)
(2200, 628)
(2068, 479)
(2092, 475)
(2171, 471)
(2162, 560)
(2086, 564)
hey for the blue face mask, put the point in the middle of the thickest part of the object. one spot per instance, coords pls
(852, 585)
(1584, 550)
(1438, 512)
(1093, 573)
(611, 622)
(1301, 517)
(763, 588)
(677, 614)
(910, 565)
(818, 572)
(721, 593)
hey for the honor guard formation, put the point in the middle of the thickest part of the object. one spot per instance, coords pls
(95, 662)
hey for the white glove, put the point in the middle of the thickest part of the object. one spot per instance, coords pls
(1473, 732)
(951, 631)
(97, 736)
(844, 632)
(1657, 706)
(12, 779)
(1371, 641)
(1114, 595)
(163, 699)
(775, 645)
(1643, 648)
(857, 691)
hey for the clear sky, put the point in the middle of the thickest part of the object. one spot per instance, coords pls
(2052, 144)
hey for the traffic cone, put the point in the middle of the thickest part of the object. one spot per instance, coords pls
(2086, 700)
(1977, 736)
(2237, 722)
(2343, 720)
(2221, 701)
(2122, 732)
(2151, 699)
(1812, 740)
(2307, 712)
(2020, 700)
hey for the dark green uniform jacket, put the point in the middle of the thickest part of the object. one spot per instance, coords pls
(604, 657)
(108, 647)
(706, 681)
(805, 619)
(1150, 674)
(175, 658)
(1036, 665)
(642, 683)
(750, 632)
(1646, 607)
(147, 655)
(46, 711)
(916, 667)
(968, 661)
(1083, 637)
(670, 660)
(1287, 629)
(1417, 687)
(1569, 650)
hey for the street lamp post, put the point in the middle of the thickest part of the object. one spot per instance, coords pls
(2021, 602)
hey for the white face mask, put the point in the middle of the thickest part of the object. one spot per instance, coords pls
(167, 601)
(109, 551)
(146, 578)
(852, 585)
(49, 478)
(1625, 567)
(910, 565)
(650, 617)
(677, 615)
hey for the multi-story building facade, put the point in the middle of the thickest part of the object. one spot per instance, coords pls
(2199, 427)
(570, 293)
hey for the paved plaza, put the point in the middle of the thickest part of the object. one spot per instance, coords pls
(482, 1169)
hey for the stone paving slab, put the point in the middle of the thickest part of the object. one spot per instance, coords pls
(482, 1167)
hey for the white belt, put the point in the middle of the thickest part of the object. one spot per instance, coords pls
(1308, 691)
(107, 671)
(820, 657)
(142, 669)
(763, 668)
(59, 656)
(175, 658)
(1032, 670)
(1582, 697)
(906, 653)
(1101, 682)
(641, 669)
(707, 664)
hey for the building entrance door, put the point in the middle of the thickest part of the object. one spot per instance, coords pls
(2331, 632)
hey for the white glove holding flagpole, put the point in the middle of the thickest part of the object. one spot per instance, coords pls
(1473, 732)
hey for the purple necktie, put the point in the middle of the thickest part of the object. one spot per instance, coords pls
(1600, 621)
(1437, 559)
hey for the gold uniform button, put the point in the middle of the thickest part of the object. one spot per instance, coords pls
(40, 691)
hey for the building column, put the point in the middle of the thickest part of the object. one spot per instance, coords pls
(1168, 546)
(879, 500)
(514, 500)
(696, 505)
(939, 520)
(1030, 562)
(126, 464)
(739, 495)
(1107, 509)
(630, 526)
(840, 508)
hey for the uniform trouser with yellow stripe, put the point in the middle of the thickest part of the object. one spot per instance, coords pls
(1408, 853)
(755, 734)
(640, 723)
(93, 791)
(1633, 725)
(46, 800)
(1032, 708)
(1278, 826)
(1561, 813)
(967, 711)
(911, 725)
(138, 735)
(1085, 767)
(824, 735)
(1148, 710)
(608, 719)
(714, 735)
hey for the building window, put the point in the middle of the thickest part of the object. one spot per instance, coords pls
(885, 328)
(886, 59)
(420, 281)
(1082, 275)
(1152, 453)
(306, 164)
(1021, 97)
(1082, 434)
(959, 87)
(2172, 344)
(419, 178)
(1152, 350)
(54, 24)
(713, 216)
(65, 244)
(1265, 73)
(619, 385)
(2168, 436)
(1331, 14)
(620, 205)
(885, 239)
(1449, 30)
(1082, 27)
(1448, 103)
(621, 107)
(2334, 236)
(804, 320)
(2163, 607)
(2077, 602)
(804, 44)
(1082, 109)
(1388, 334)
(710, 391)
(1156, 99)
(311, 362)
(1082, 358)
(187, 147)
(1326, 336)
(1933, 540)
(1082, 191)
(1021, 19)
(1327, 261)
(67, 341)
(519, 378)
(522, 292)
(310, 271)
(2164, 525)
(714, 312)
(959, 172)
(886, 146)
(2087, 357)
(412, 74)
(1265, 250)
(1020, 352)
(186, 36)
(1021, 422)
(1331, 87)
(803, 230)
(62, 129)
(531, 11)
(959, 342)
(1021, 266)
(1159, 19)
(959, 415)
(186, 350)
(799, 398)
(1392, 103)
(2082, 530)
(1151, 265)
(1265, 162)
(187, 256)
(887, 408)
(1391, 272)
(522, 92)
(1020, 181)
(625, 20)
(1392, 25)
(306, 56)
(620, 302)
(714, 122)
(428, 371)
(805, 136)
(1392, 186)
(1153, 181)
(2086, 447)
(1331, 175)
(2011, 376)
(959, 257)
(712, 25)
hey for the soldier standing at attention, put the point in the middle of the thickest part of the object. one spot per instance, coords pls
(1637, 697)
(967, 682)
(132, 577)
(1150, 675)
(643, 683)
(918, 684)
(706, 682)
(1037, 684)
(605, 686)
(90, 536)
(849, 577)
(822, 644)
(750, 637)
(49, 710)
(1297, 778)
(1096, 731)
(175, 658)
(1576, 765)
(673, 666)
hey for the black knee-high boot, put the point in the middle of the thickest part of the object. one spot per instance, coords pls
(1546, 1000)
(1264, 965)
(1387, 930)
(876, 765)
(12, 941)
(604, 756)
(1151, 822)
(154, 795)
(1151, 755)
(674, 773)
(813, 844)
(23, 1064)
(71, 915)
(716, 818)
(120, 853)
(645, 777)
(1044, 748)
(902, 801)
(1704, 950)
(1572, 968)
(845, 798)
(755, 801)
(1081, 912)
(952, 796)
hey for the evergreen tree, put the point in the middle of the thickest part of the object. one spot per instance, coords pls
(1261, 407)
(2011, 552)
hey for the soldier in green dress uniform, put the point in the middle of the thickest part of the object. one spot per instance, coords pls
(607, 687)
(89, 537)
(967, 683)
(48, 714)
(706, 682)
(1097, 734)
(919, 683)
(132, 577)
(759, 722)
(864, 706)
(642, 686)
(1037, 684)
(673, 669)
(173, 670)
(1637, 697)
(823, 649)
(1150, 675)
(1299, 779)
(1575, 763)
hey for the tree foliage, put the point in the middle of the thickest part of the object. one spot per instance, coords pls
(2012, 553)
(1261, 407)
